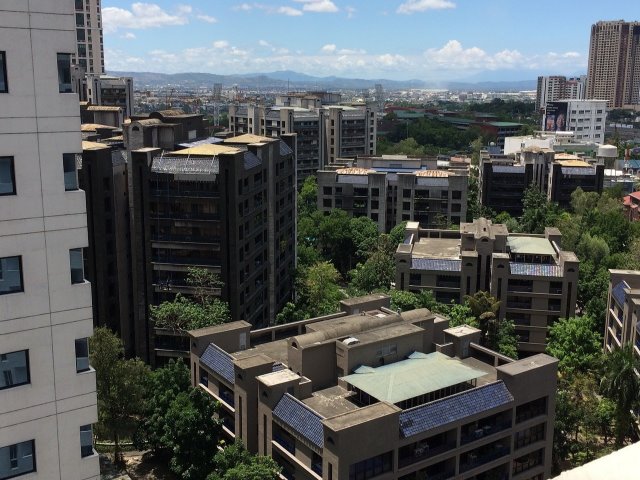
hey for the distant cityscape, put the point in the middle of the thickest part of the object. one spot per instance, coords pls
(346, 278)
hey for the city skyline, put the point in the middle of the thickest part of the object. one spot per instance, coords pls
(449, 39)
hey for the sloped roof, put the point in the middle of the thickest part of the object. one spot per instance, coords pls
(248, 138)
(207, 150)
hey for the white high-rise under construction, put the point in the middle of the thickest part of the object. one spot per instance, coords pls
(47, 387)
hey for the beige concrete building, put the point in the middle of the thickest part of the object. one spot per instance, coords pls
(623, 309)
(47, 387)
(396, 188)
(613, 73)
(371, 393)
(534, 279)
(89, 53)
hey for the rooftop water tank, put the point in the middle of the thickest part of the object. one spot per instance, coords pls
(608, 151)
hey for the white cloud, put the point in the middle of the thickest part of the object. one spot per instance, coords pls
(328, 48)
(318, 6)
(350, 11)
(245, 7)
(220, 44)
(207, 18)
(142, 16)
(413, 6)
(289, 11)
(264, 43)
(128, 36)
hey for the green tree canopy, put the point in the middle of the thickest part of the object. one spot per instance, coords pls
(192, 434)
(119, 385)
(234, 462)
(575, 343)
(538, 212)
(308, 197)
(621, 384)
(163, 386)
(318, 290)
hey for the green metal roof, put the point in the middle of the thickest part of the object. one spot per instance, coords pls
(530, 245)
(505, 124)
(418, 375)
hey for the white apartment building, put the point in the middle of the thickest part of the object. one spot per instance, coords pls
(586, 118)
(89, 53)
(47, 388)
(556, 87)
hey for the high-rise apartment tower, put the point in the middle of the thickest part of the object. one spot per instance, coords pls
(90, 47)
(47, 387)
(614, 63)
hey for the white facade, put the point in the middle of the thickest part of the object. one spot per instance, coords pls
(44, 400)
(554, 88)
(90, 47)
(587, 118)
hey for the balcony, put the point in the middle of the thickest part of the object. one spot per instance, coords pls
(419, 451)
(288, 445)
(186, 193)
(205, 217)
(185, 238)
(203, 261)
(485, 431)
(473, 460)
(520, 305)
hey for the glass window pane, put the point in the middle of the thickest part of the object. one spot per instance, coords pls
(70, 171)
(7, 177)
(3, 73)
(17, 459)
(10, 275)
(82, 355)
(64, 72)
(14, 369)
(76, 263)
(86, 441)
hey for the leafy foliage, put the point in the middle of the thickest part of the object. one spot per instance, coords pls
(235, 463)
(575, 343)
(202, 309)
(192, 434)
(621, 384)
(163, 386)
(119, 385)
(318, 290)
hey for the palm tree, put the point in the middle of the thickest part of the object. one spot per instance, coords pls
(485, 308)
(620, 382)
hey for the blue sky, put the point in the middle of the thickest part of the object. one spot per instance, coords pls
(395, 39)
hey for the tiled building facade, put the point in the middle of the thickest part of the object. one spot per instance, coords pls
(533, 278)
(372, 393)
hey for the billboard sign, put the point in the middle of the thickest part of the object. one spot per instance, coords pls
(555, 117)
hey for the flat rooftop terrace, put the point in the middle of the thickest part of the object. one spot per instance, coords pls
(420, 374)
(527, 245)
(437, 248)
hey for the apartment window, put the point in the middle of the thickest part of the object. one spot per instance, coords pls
(86, 441)
(14, 368)
(76, 262)
(64, 72)
(372, 467)
(11, 275)
(17, 459)
(82, 355)
(70, 171)
(4, 87)
(7, 176)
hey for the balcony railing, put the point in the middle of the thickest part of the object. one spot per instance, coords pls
(185, 238)
(185, 216)
(284, 443)
(210, 262)
(485, 431)
(190, 193)
(475, 461)
(522, 305)
(425, 451)
(528, 440)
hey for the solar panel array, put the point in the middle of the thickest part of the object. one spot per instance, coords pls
(535, 269)
(304, 421)
(437, 264)
(617, 293)
(451, 409)
(219, 362)
(251, 160)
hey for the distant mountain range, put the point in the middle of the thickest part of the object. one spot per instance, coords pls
(296, 80)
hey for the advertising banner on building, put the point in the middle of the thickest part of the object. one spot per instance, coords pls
(555, 117)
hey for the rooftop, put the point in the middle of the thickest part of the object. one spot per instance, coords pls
(247, 139)
(93, 146)
(431, 173)
(530, 245)
(354, 171)
(331, 401)
(419, 375)
(92, 127)
(437, 247)
(207, 150)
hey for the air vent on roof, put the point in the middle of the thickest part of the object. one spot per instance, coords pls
(350, 341)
